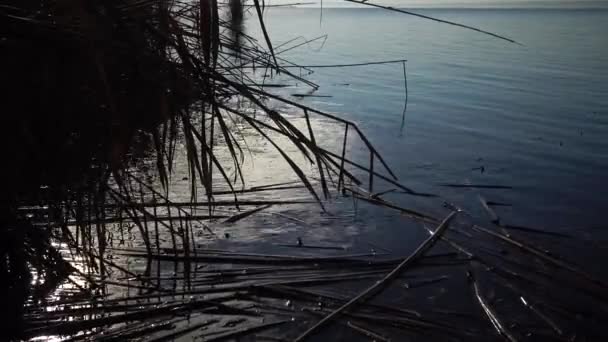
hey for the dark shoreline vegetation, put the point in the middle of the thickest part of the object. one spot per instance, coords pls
(97, 98)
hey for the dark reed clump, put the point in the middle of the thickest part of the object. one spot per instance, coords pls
(79, 79)
(88, 85)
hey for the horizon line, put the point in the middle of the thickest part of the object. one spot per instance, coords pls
(568, 4)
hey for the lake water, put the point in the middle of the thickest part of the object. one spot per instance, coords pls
(535, 117)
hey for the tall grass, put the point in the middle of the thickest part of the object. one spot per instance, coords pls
(88, 85)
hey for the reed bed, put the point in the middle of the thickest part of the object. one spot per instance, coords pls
(109, 255)
(508, 287)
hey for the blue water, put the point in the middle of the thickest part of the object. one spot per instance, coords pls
(534, 116)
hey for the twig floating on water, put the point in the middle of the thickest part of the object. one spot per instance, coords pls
(242, 215)
(189, 328)
(493, 217)
(499, 204)
(243, 331)
(544, 256)
(310, 95)
(345, 65)
(365, 2)
(488, 310)
(425, 282)
(478, 186)
(337, 248)
(406, 95)
(379, 285)
(540, 314)
(367, 332)
(535, 230)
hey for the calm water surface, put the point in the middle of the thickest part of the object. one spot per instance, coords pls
(535, 117)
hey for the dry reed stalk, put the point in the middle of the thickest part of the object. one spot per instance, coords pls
(373, 290)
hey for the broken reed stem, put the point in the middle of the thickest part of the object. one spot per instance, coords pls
(378, 201)
(342, 159)
(247, 213)
(367, 332)
(366, 3)
(374, 289)
(544, 256)
(156, 233)
(266, 37)
(406, 96)
(346, 65)
(317, 155)
(496, 323)
(376, 174)
(371, 173)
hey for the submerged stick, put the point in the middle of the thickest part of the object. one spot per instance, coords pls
(310, 95)
(258, 189)
(189, 328)
(552, 260)
(71, 327)
(488, 310)
(317, 155)
(207, 204)
(405, 211)
(536, 231)
(316, 296)
(373, 290)
(275, 260)
(542, 316)
(366, 332)
(243, 215)
(272, 186)
(336, 248)
(375, 336)
(477, 186)
(342, 159)
(243, 331)
(406, 95)
(346, 65)
(493, 216)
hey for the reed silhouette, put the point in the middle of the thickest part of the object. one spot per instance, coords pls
(92, 90)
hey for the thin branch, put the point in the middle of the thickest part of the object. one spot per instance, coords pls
(366, 3)
(379, 285)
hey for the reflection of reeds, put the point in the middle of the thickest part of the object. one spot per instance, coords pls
(187, 290)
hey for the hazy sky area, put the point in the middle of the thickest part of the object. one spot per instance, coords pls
(462, 3)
